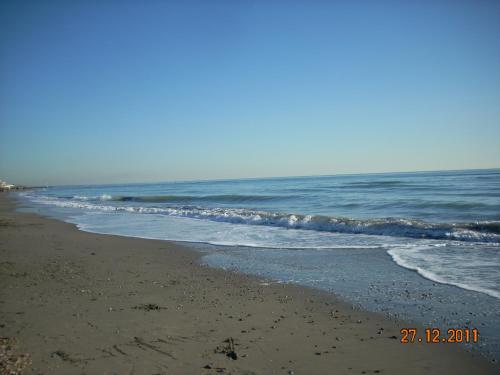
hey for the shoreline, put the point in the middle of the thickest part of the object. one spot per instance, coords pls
(79, 302)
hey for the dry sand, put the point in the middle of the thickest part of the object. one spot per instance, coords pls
(82, 303)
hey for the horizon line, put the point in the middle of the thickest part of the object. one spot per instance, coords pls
(262, 178)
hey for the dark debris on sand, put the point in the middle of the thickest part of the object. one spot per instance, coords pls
(228, 349)
(148, 307)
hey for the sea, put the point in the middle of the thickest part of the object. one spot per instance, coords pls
(421, 246)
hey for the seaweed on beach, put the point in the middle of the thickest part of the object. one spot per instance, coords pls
(148, 307)
(63, 355)
(6, 223)
(228, 349)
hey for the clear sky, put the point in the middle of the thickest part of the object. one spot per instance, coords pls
(117, 91)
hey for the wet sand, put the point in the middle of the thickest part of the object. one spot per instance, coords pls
(83, 303)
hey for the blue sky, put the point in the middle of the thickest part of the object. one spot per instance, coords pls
(104, 92)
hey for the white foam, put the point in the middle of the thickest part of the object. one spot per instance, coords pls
(194, 230)
(387, 227)
(103, 197)
(436, 267)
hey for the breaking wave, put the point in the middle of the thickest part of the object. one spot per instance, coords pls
(486, 231)
(224, 198)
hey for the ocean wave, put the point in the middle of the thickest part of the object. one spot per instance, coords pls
(461, 205)
(103, 197)
(389, 184)
(488, 231)
(372, 184)
(221, 198)
(414, 258)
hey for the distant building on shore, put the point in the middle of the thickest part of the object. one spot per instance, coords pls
(5, 186)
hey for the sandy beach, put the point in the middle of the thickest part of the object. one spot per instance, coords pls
(73, 302)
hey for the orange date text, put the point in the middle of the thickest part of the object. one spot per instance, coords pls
(436, 336)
